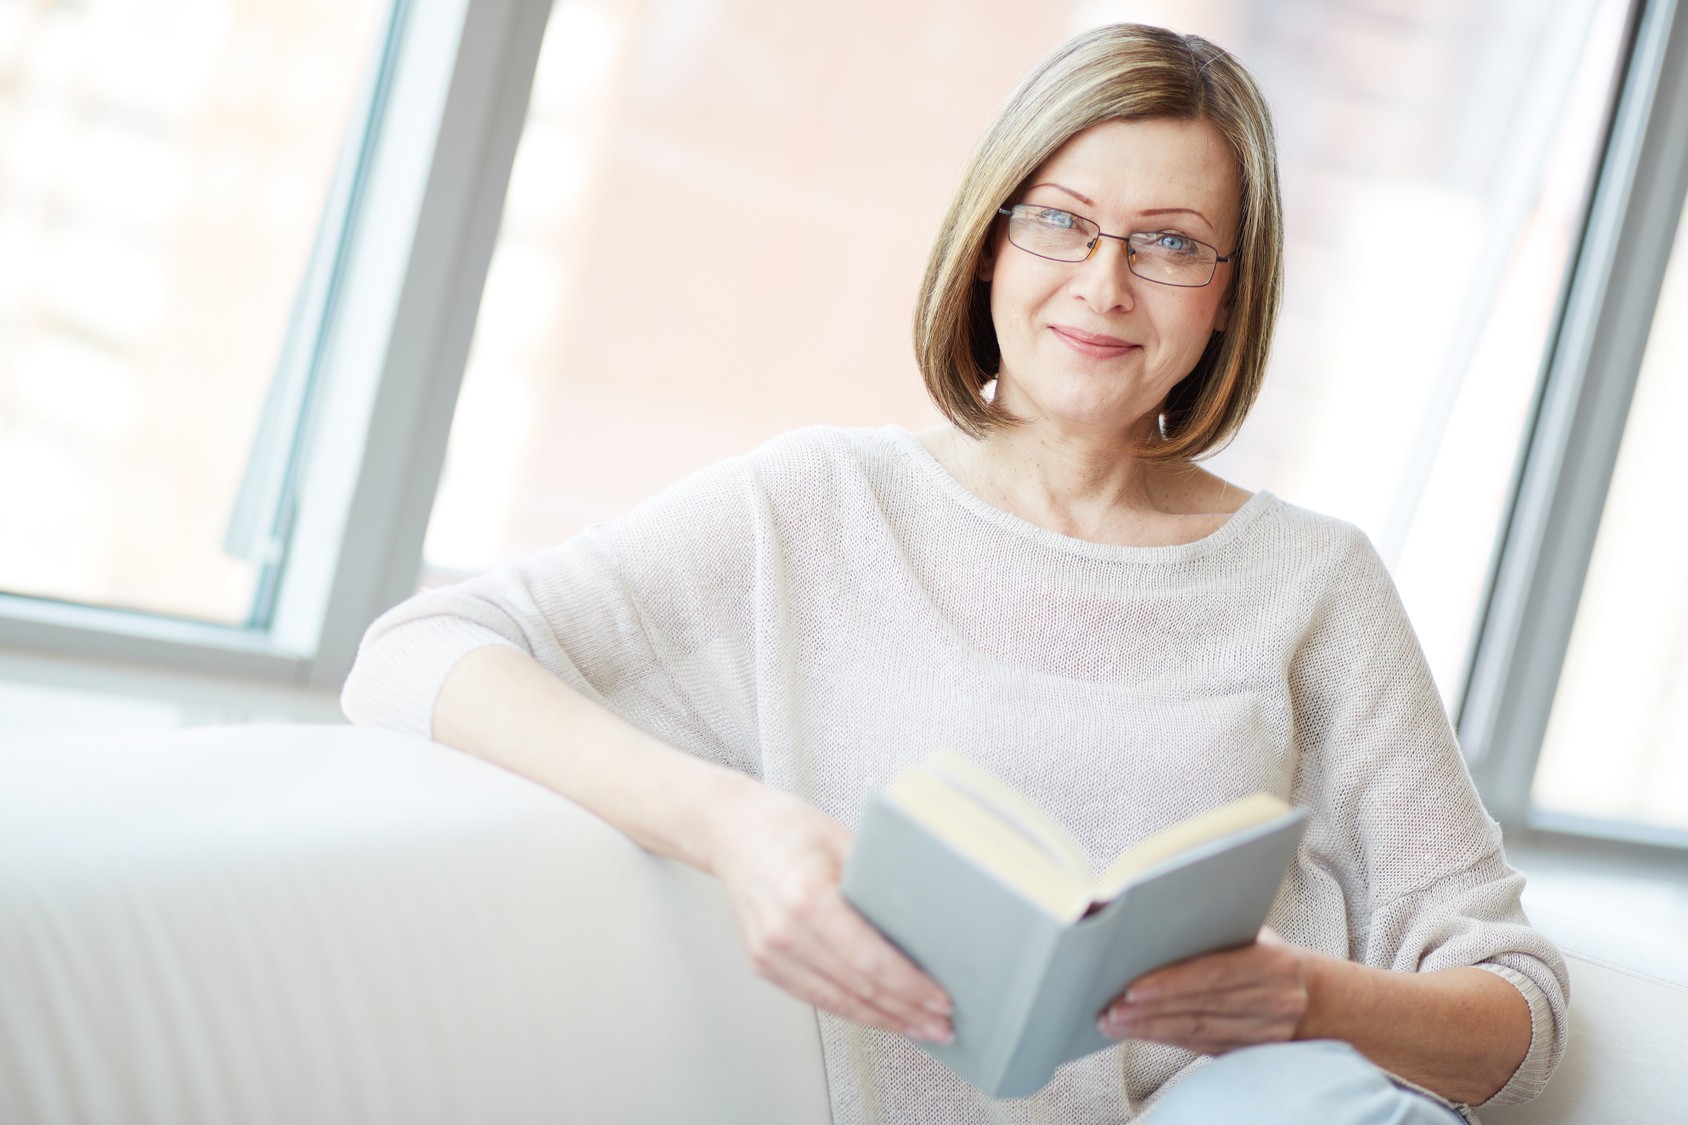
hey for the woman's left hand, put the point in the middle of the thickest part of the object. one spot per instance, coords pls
(1217, 1002)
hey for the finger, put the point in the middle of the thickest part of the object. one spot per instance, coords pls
(1216, 972)
(913, 1020)
(1209, 973)
(1207, 1033)
(815, 987)
(1264, 998)
(853, 970)
(873, 961)
(1274, 1012)
(799, 950)
(828, 933)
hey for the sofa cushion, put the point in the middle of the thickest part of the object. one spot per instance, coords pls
(324, 924)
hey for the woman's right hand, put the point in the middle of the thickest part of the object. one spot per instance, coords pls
(780, 860)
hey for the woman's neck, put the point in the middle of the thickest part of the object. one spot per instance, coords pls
(1085, 488)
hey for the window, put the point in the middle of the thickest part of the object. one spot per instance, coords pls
(350, 332)
(1617, 739)
(1614, 759)
(163, 169)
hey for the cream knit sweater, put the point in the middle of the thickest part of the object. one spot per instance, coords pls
(834, 605)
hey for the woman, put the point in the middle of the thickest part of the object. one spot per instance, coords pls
(1052, 586)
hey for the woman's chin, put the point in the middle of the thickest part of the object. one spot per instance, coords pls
(1086, 415)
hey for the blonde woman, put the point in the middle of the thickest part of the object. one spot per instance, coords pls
(1051, 584)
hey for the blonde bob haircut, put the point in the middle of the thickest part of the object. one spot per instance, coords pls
(1130, 71)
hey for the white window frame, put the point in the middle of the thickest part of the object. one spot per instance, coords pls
(1581, 409)
(449, 106)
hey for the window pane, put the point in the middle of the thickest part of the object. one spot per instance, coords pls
(163, 168)
(1617, 740)
(1435, 158)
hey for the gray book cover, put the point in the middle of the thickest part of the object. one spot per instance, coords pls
(1027, 987)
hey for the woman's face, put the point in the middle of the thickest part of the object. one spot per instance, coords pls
(1090, 346)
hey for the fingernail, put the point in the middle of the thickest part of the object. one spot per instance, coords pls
(939, 1007)
(932, 1033)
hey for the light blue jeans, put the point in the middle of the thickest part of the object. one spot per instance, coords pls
(1315, 1082)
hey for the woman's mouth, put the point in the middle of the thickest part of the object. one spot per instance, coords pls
(1092, 344)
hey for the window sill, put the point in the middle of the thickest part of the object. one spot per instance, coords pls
(54, 694)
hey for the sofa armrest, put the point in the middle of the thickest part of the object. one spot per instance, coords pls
(1626, 1057)
(325, 924)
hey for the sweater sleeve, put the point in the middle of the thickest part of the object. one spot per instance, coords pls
(1397, 821)
(645, 615)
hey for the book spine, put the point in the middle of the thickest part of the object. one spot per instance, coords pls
(1002, 1071)
(1058, 1006)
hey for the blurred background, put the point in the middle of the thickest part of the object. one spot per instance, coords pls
(168, 178)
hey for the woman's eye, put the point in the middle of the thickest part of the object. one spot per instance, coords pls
(1056, 220)
(1174, 243)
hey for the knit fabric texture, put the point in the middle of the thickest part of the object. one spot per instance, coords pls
(828, 609)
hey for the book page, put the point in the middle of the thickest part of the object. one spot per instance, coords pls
(1014, 808)
(1246, 812)
(995, 845)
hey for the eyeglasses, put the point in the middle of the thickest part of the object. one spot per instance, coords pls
(1159, 256)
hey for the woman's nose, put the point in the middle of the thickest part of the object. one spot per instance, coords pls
(1105, 278)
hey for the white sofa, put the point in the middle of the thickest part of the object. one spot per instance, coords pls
(317, 924)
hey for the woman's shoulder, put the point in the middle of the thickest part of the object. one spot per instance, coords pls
(814, 475)
(820, 458)
(1319, 556)
(798, 476)
(790, 459)
(1308, 533)
(1328, 560)
(828, 445)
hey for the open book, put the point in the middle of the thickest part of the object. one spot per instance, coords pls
(995, 899)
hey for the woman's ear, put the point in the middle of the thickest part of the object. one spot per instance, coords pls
(981, 332)
(987, 253)
(1226, 304)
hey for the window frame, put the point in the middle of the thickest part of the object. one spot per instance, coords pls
(1571, 449)
(450, 97)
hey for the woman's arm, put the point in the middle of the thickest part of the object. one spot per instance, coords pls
(1459, 1032)
(1399, 834)
(778, 857)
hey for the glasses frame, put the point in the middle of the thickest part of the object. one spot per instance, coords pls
(1123, 239)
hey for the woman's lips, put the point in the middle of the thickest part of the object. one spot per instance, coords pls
(1092, 344)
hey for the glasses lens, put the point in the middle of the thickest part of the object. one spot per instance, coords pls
(1051, 233)
(1172, 259)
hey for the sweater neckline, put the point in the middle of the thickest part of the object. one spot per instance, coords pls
(922, 460)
